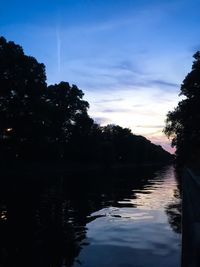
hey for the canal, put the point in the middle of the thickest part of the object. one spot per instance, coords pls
(124, 217)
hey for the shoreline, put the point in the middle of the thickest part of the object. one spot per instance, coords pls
(63, 167)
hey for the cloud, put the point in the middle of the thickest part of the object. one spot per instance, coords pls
(103, 77)
(128, 66)
(151, 126)
(117, 110)
(108, 100)
(102, 120)
(125, 65)
(164, 83)
(138, 106)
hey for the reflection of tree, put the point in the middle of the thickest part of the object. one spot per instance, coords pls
(59, 231)
(174, 216)
(42, 229)
(173, 209)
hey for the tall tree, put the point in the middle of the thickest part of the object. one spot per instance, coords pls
(183, 123)
(67, 116)
(23, 84)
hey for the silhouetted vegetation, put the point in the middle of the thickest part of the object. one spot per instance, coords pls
(40, 122)
(182, 124)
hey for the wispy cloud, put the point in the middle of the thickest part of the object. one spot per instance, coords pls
(150, 126)
(102, 120)
(117, 110)
(164, 83)
(108, 100)
(138, 106)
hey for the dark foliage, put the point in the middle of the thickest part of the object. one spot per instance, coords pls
(23, 85)
(40, 122)
(182, 124)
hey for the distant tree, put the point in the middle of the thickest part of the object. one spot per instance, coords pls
(183, 123)
(116, 140)
(22, 83)
(120, 145)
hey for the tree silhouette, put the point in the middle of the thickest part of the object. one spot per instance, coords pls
(116, 141)
(182, 124)
(22, 83)
(67, 116)
(37, 121)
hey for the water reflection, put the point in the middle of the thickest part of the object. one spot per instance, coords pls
(83, 217)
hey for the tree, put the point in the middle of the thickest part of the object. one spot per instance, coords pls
(183, 123)
(23, 84)
(67, 116)
(37, 121)
(116, 142)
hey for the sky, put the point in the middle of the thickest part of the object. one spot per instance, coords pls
(128, 56)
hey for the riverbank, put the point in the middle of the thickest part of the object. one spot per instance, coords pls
(63, 167)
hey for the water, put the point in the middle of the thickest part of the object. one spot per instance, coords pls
(120, 218)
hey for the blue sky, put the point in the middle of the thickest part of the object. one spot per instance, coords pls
(128, 56)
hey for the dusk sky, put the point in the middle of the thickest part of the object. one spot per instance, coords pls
(128, 56)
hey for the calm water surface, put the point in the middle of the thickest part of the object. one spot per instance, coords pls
(143, 232)
(118, 218)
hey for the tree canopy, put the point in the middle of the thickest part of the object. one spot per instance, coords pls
(23, 85)
(182, 124)
(33, 114)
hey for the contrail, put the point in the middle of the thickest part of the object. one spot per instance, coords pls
(58, 41)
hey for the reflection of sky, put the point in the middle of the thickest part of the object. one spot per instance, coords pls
(156, 195)
(129, 57)
(137, 236)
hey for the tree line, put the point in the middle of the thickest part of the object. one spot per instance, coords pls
(51, 122)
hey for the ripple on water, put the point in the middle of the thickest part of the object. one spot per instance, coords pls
(139, 235)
